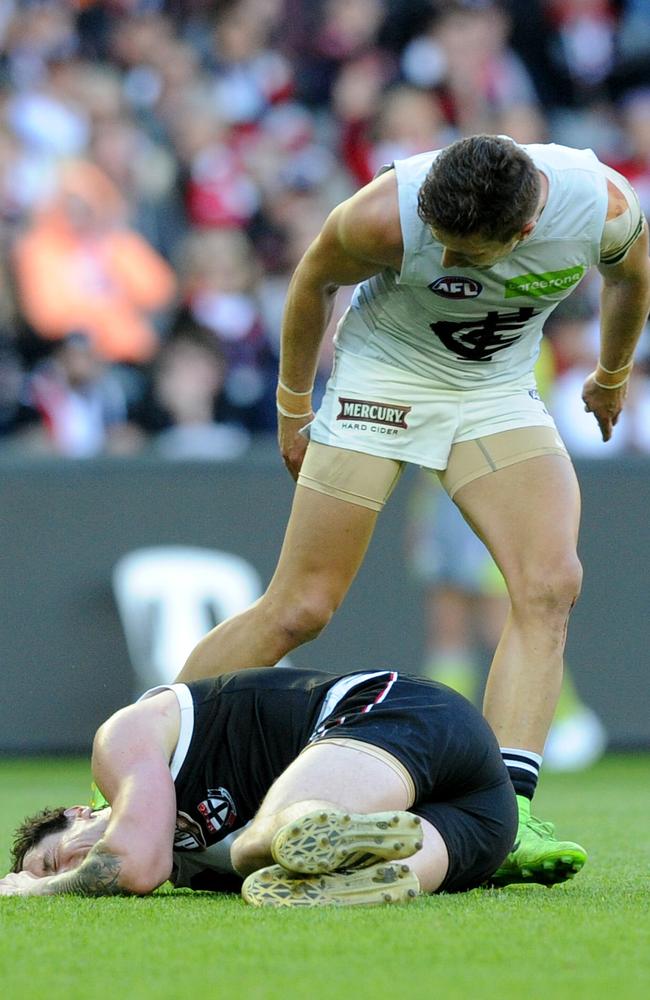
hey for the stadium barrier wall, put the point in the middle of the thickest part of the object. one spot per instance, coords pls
(65, 665)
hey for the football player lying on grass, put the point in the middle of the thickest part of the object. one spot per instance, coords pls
(310, 787)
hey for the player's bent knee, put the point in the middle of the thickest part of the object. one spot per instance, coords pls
(431, 862)
(305, 618)
(287, 620)
(548, 589)
(575, 578)
(561, 583)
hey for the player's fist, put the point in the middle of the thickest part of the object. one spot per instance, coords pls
(605, 404)
(293, 444)
(19, 884)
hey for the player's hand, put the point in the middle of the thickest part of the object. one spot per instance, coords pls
(293, 444)
(20, 884)
(605, 404)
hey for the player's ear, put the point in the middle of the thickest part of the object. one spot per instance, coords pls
(74, 812)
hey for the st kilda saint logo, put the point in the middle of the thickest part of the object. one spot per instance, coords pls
(455, 286)
(218, 810)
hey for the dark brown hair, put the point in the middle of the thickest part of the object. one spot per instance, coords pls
(485, 185)
(32, 830)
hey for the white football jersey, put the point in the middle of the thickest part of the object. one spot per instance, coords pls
(466, 326)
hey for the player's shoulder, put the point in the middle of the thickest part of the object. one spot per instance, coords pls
(370, 219)
(562, 158)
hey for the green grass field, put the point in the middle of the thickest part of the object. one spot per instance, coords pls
(589, 938)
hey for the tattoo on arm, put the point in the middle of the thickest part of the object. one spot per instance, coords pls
(97, 875)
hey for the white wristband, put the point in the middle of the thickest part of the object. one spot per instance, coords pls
(294, 416)
(617, 386)
(615, 371)
(292, 392)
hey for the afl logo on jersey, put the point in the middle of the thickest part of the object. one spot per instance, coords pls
(454, 286)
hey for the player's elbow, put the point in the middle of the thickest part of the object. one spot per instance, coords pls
(140, 886)
(140, 877)
(635, 285)
(143, 883)
(313, 278)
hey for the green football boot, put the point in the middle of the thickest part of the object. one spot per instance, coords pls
(537, 856)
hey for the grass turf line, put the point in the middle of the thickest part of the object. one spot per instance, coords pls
(586, 939)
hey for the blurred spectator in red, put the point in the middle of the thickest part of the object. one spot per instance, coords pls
(586, 37)
(635, 115)
(79, 266)
(287, 154)
(186, 400)
(222, 136)
(405, 121)
(81, 402)
(219, 190)
(466, 56)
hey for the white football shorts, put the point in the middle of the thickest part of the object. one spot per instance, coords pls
(379, 410)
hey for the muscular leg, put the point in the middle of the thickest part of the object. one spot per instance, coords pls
(528, 516)
(329, 776)
(324, 545)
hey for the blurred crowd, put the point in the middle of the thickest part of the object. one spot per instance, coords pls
(163, 166)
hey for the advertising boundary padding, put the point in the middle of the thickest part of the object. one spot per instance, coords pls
(65, 524)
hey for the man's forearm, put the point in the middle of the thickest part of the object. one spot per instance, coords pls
(98, 875)
(307, 313)
(624, 312)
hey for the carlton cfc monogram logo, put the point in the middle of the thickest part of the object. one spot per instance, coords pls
(454, 286)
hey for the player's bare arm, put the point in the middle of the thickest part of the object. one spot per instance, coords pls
(625, 302)
(361, 237)
(131, 755)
